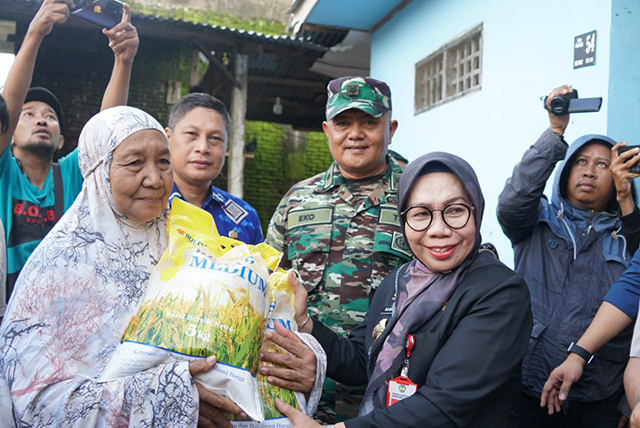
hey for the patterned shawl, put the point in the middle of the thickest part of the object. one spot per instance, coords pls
(421, 293)
(73, 300)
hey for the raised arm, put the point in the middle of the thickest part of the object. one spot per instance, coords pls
(21, 72)
(123, 40)
(625, 190)
(519, 202)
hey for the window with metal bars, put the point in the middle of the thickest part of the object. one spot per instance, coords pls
(450, 72)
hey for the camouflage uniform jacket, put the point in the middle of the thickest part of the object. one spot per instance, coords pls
(341, 250)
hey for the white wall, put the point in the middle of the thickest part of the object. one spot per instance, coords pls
(528, 51)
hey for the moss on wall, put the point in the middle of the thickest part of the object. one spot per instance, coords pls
(210, 17)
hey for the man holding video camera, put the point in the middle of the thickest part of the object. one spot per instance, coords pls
(35, 190)
(570, 251)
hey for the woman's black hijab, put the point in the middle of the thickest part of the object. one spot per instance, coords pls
(417, 287)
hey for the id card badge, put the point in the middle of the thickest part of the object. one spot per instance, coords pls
(402, 387)
(399, 389)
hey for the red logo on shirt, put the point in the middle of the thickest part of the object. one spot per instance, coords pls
(30, 222)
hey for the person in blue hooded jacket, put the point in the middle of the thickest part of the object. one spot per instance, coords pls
(570, 250)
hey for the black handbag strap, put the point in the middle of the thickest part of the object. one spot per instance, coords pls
(58, 193)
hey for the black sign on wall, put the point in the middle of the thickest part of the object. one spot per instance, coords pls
(584, 50)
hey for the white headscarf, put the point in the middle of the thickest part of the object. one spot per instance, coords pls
(75, 297)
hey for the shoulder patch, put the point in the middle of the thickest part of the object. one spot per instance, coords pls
(399, 243)
(309, 217)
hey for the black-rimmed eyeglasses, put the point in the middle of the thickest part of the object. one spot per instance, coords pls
(419, 218)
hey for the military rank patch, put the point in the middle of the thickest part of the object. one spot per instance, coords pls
(309, 217)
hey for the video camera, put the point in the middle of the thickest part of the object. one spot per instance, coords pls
(570, 103)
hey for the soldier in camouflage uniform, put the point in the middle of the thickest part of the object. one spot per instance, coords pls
(340, 228)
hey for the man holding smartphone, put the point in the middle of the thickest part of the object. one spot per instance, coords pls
(36, 191)
(570, 250)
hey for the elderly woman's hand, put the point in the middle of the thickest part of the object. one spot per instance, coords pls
(299, 365)
(212, 406)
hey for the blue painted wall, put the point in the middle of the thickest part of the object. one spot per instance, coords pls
(624, 72)
(528, 51)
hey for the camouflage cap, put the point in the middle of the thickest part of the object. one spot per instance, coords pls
(364, 93)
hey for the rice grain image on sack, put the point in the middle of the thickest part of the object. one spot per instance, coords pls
(206, 296)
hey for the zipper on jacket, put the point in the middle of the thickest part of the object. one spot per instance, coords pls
(561, 217)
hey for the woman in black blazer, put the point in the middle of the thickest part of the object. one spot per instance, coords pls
(455, 322)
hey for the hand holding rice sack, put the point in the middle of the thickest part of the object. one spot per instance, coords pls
(83, 283)
(288, 354)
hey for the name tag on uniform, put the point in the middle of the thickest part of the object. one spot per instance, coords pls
(389, 215)
(309, 217)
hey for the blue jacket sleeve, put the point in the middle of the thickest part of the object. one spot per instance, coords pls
(625, 292)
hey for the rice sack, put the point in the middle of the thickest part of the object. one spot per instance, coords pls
(281, 310)
(206, 296)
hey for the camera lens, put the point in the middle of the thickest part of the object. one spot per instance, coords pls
(559, 105)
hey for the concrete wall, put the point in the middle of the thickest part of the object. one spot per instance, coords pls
(528, 51)
(266, 9)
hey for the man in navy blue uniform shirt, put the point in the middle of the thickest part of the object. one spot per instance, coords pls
(198, 133)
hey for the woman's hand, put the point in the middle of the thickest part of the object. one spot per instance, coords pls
(299, 364)
(212, 406)
(300, 304)
(622, 178)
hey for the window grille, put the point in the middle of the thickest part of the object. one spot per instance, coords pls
(450, 72)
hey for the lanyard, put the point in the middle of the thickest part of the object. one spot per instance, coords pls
(410, 344)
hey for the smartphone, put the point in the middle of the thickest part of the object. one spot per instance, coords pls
(105, 13)
(635, 168)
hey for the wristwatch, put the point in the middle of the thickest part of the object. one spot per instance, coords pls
(579, 350)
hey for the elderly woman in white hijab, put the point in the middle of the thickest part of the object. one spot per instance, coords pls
(80, 288)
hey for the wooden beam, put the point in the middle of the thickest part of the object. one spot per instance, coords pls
(216, 63)
(194, 73)
(325, 29)
(296, 83)
(389, 15)
(235, 178)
